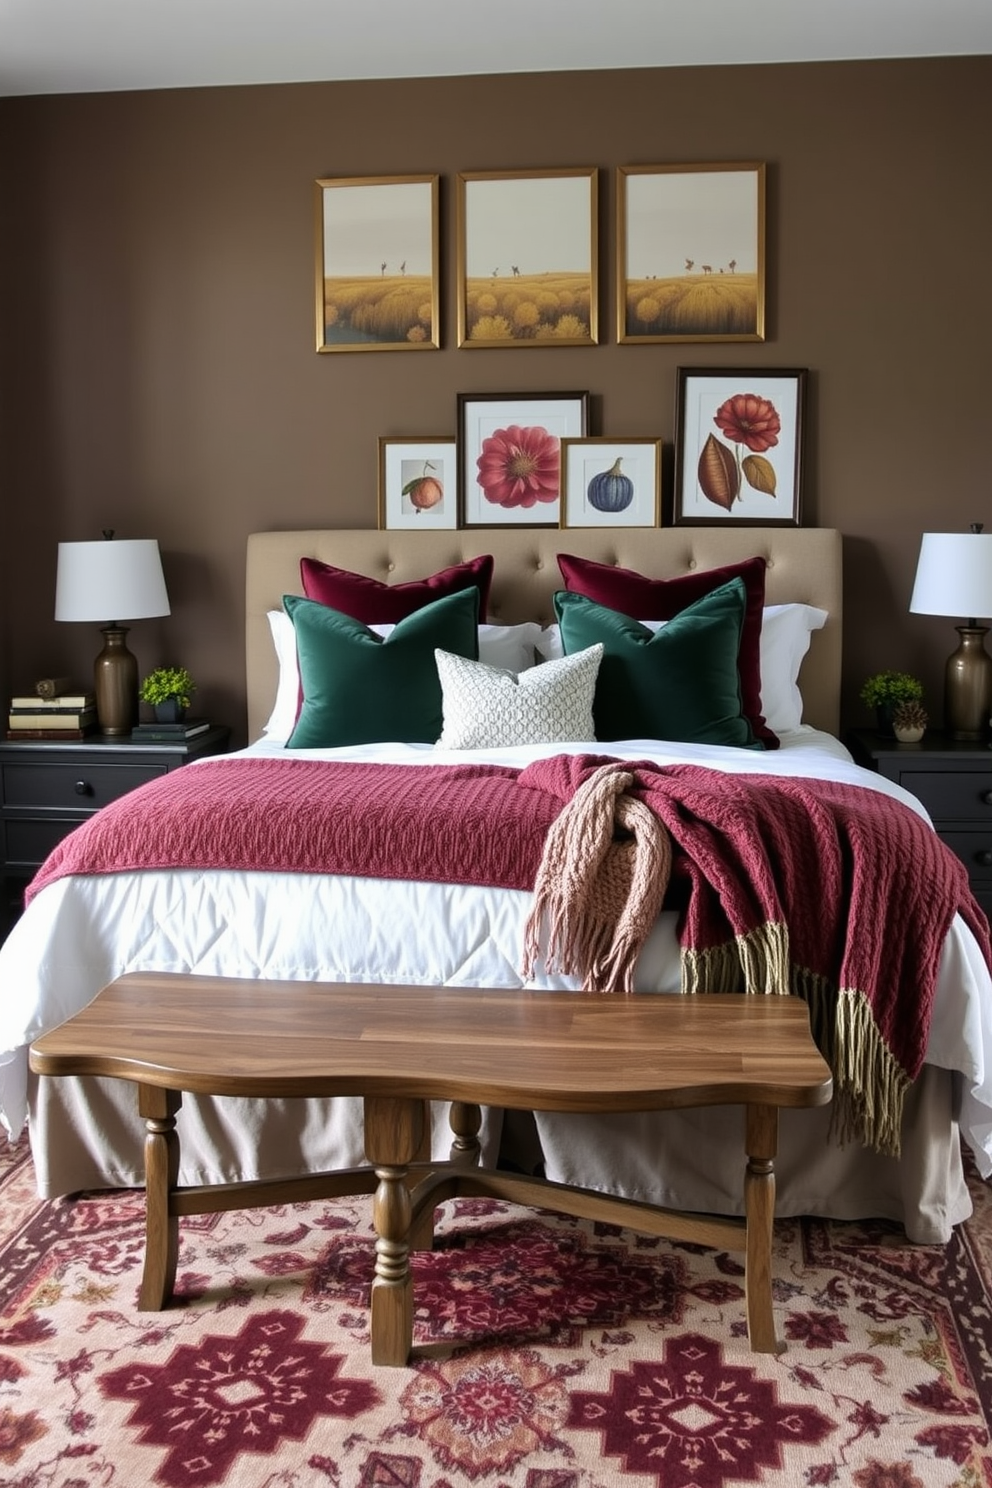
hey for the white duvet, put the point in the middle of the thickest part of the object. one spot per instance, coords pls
(80, 933)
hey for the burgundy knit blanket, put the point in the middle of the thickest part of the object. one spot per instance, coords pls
(865, 888)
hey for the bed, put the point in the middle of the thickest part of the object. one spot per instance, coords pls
(81, 930)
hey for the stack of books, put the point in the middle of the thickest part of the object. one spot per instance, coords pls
(144, 733)
(67, 715)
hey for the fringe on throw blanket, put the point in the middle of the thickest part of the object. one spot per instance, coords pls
(600, 886)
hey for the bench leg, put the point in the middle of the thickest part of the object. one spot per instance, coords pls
(394, 1130)
(759, 1209)
(159, 1108)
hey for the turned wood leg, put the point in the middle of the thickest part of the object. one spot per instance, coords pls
(159, 1108)
(394, 1130)
(759, 1209)
(465, 1121)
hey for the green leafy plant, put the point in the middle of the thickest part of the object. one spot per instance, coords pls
(165, 683)
(888, 689)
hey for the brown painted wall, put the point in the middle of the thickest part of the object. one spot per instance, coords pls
(157, 371)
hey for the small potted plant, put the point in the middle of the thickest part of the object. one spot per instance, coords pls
(168, 690)
(886, 691)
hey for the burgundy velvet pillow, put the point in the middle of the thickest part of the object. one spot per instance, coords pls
(375, 603)
(661, 599)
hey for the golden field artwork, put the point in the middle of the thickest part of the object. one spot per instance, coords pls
(715, 302)
(382, 309)
(552, 307)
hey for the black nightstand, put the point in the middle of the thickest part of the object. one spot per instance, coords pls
(954, 782)
(47, 788)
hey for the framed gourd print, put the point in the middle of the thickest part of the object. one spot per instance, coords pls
(739, 446)
(377, 263)
(691, 252)
(610, 482)
(528, 258)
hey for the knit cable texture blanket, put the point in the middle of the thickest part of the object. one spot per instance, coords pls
(830, 891)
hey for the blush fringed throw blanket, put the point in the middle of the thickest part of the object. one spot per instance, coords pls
(836, 893)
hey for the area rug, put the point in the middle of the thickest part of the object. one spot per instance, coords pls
(550, 1353)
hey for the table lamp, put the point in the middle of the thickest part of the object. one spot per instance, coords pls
(954, 577)
(124, 579)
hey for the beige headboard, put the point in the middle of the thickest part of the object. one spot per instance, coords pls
(804, 565)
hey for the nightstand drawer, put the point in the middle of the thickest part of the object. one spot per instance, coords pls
(27, 841)
(950, 794)
(63, 785)
(975, 851)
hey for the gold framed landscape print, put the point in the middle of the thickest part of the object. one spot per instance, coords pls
(691, 252)
(377, 263)
(528, 263)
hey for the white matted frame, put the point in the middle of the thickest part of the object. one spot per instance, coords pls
(739, 446)
(691, 252)
(377, 263)
(610, 482)
(418, 484)
(509, 456)
(528, 258)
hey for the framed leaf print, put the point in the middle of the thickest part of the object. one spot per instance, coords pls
(739, 446)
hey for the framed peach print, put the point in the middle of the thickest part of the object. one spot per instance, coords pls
(739, 446)
(418, 485)
(527, 264)
(691, 252)
(377, 263)
(509, 456)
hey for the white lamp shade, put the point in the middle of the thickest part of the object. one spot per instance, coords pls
(954, 575)
(110, 580)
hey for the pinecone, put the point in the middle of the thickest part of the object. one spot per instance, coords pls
(909, 715)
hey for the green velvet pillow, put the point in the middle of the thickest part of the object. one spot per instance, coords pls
(360, 688)
(680, 682)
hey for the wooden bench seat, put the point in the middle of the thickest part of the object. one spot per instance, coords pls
(400, 1047)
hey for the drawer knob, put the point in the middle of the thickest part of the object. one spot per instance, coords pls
(83, 788)
(985, 857)
(987, 798)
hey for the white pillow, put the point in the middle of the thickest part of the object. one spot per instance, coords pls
(487, 707)
(785, 638)
(509, 646)
(282, 719)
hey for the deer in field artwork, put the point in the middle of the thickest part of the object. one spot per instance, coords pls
(377, 264)
(693, 251)
(538, 229)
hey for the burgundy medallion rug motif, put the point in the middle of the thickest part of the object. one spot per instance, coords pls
(549, 1353)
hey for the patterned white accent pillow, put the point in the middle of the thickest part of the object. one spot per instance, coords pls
(485, 707)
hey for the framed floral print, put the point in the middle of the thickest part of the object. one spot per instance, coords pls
(691, 252)
(527, 263)
(739, 446)
(377, 263)
(418, 485)
(509, 456)
(610, 482)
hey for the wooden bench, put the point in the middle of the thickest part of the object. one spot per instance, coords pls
(400, 1047)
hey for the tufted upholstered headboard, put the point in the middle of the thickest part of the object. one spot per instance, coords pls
(804, 565)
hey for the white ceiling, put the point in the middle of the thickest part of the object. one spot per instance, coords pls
(83, 46)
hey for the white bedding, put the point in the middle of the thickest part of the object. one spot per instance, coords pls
(80, 933)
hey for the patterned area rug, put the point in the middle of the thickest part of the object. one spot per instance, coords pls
(550, 1353)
